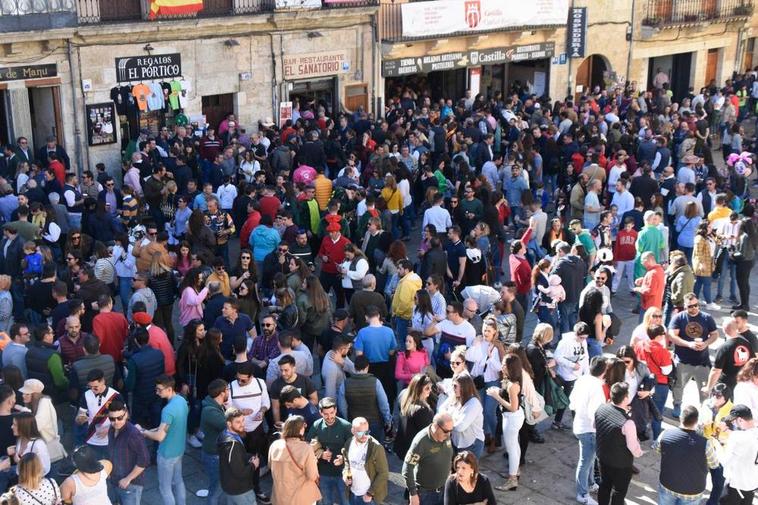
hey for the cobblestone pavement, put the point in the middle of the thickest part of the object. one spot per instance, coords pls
(548, 476)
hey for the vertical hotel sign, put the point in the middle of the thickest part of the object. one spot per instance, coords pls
(577, 32)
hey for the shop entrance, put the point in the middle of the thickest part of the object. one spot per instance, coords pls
(217, 107)
(314, 93)
(590, 73)
(45, 114)
(443, 84)
(677, 67)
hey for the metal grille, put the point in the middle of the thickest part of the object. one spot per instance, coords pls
(668, 12)
(24, 7)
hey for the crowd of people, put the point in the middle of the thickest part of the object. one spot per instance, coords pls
(325, 347)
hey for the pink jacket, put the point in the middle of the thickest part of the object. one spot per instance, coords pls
(191, 305)
(406, 368)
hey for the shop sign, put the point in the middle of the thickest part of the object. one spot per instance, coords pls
(463, 59)
(440, 17)
(28, 72)
(302, 66)
(143, 68)
(297, 4)
(577, 32)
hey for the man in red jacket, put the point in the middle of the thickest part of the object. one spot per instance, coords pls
(332, 253)
(650, 287)
(624, 251)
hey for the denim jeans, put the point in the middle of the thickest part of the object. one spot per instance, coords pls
(665, 497)
(584, 469)
(594, 347)
(395, 219)
(659, 399)
(241, 499)
(210, 465)
(703, 282)
(171, 482)
(430, 497)
(731, 268)
(332, 490)
(132, 495)
(476, 448)
(124, 292)
(358, 500)
(569, 312)
(400, 326)
(717, 485)
(490, 409)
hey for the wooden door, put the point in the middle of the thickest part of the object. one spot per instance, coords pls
(711, 65)
(710, 8)
(356, 95)
(217, 107)
(120, 10)
(583, 74)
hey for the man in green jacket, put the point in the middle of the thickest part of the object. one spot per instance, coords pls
(212, 423)
(332, 433)
(366, 472)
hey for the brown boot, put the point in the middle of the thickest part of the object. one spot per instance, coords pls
(489, 443)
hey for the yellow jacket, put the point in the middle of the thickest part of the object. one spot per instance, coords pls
(719, 213)
(393, 198)
(402, 302)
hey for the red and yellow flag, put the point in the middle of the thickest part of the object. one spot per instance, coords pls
(174, 7)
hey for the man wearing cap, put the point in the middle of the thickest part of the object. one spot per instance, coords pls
(93, 412)
(332, 253)
(739, 457)
(158, 340)
(686, 458)
(331, 432)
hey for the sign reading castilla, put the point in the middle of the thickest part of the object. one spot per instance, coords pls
(463, 59)
(142, 68)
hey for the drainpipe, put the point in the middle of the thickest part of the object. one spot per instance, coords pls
(570, 90)
(374, 77)
(631, 43)
(77, 130)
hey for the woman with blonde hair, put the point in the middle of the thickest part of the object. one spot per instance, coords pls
(652, 316)
(293, 465)
(535, 352)
(6, 303)
(467, 412)
(163, 283)
(33, 488)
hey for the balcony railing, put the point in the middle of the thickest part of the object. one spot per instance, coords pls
(660, 13)
(23, 15)
(107, 11)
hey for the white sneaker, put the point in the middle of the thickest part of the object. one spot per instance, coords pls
(712, 306)
(194, 442)
(586, 499)
(594, 488)
(200, 435)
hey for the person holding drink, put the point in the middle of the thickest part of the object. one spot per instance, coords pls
(366, 472)
(93, 412)
(327, 437)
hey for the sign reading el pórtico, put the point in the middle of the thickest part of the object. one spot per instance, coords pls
(463, 59)
(28, 72)
(143, 68)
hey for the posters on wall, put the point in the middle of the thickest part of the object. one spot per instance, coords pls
(100, 124)
(440, 17)
(285, 112)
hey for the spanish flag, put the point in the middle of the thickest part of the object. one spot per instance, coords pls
(174, 7)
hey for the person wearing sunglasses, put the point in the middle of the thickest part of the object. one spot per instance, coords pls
(691, 332)
(427, 464)
(366, 471)
(128, 453)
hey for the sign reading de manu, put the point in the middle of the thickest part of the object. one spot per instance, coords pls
(28, 72)
(141, 68)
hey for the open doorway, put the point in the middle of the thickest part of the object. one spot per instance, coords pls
(45, 114)
(5, 120)
(217, 107)
(591, 73)
(315, 92)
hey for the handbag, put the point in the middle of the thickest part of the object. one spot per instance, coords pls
(529, 409)
(555, 396)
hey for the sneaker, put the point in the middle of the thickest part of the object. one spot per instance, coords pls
(262, 498)
(676, 411)
(712, 306)
(717, 299)
(586, 499)
(200, 435)
(559, 426)
(194, 442)
(594, 488)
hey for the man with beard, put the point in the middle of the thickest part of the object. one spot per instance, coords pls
(265, 347)
(237, 466)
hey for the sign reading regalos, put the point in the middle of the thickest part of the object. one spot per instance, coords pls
(302, 66)
(143, 68)
(440, 17)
